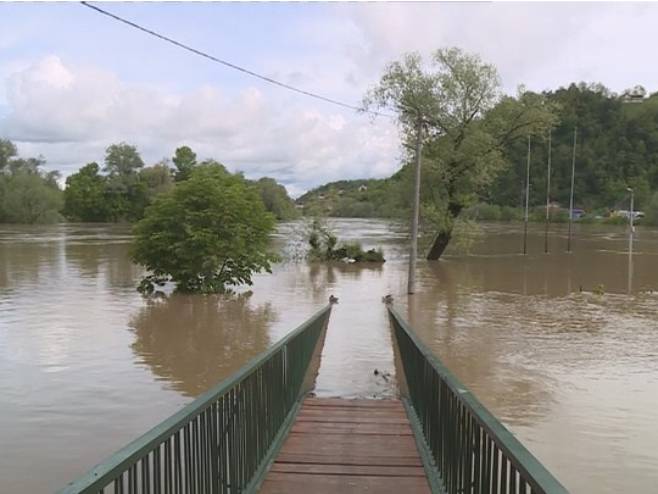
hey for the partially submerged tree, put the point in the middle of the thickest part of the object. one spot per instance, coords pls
(465, 122)
(209, 233)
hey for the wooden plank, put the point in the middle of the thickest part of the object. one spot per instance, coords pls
(369, 470)
(346, 459)
(352, 428)
(353, 420)
(341, 402)
(348, 446)
(332, 444)
(294, 483)
(353, 412)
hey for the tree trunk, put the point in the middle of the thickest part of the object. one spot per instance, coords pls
(441, 241)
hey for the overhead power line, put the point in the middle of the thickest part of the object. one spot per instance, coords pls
(232, 65)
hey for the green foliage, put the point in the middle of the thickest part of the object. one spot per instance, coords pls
(122, 194)
(122, 159)
(617, 148)
(379, 198)
(651, 212)
(324, 247)
(207, 234)
(457, 109)
(27, 194)
(185, 161)
(157, 179)
(276, 199)
(7, 152)
(84, 196)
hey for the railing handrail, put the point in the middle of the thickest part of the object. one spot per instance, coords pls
(525, 461)
(108, 469)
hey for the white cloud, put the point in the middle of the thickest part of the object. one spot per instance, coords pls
(70, 114)
(542, 45)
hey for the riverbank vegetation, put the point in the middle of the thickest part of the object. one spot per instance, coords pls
(118, 190)
(28, 194)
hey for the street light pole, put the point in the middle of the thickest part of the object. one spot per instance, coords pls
(573, 177)
(411, 283)
(548, 194)
(630, 241)
(527, 198)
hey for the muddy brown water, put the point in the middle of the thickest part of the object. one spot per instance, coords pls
(86, 364)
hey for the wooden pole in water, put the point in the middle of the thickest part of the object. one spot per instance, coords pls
(527, 202)
(411, 286)
(573, 175)
(548, 194)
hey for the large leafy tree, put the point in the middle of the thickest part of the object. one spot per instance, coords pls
(84, 196)
(125, 192)
(185, 161)
(209, 233)
(27, 193)
(276, 199)
(122, 159)
(7, 152)
(157, 179)
(465, 121)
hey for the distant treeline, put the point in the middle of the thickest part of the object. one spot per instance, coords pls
(118, 191)
(617, 148)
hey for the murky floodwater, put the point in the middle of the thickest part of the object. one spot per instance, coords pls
(87, 365)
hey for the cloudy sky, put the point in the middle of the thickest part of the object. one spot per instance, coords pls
(73, 81)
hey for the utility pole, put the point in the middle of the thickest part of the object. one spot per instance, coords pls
(573, 175)
(630, 242)
(416, 209)
(527, 203)
(548, 194)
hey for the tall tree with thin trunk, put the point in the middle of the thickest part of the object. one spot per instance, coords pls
(468, 122)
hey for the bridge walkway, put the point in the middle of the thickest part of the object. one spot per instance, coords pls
(348, 446)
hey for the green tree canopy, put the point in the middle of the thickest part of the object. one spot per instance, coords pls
(84, 196)
(276, 200)
(122, 159)
(209, 233)
(465, 123)
(27, 193)
(185, 161)
(7, 152)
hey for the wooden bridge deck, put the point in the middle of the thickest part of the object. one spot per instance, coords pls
(348, 446)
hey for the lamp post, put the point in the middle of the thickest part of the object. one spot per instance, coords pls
(631, 231)
(573, 178)
(527, 203)
(548, 194)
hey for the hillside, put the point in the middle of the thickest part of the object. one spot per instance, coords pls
(367, 198)
(617, 148)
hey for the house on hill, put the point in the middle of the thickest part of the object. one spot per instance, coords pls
(635, 95)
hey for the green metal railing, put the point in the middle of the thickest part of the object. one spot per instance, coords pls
(223, 440)
(470, 450)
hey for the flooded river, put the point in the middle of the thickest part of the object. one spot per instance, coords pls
(553, 344)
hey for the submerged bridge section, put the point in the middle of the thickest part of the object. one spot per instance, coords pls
(259, 431)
